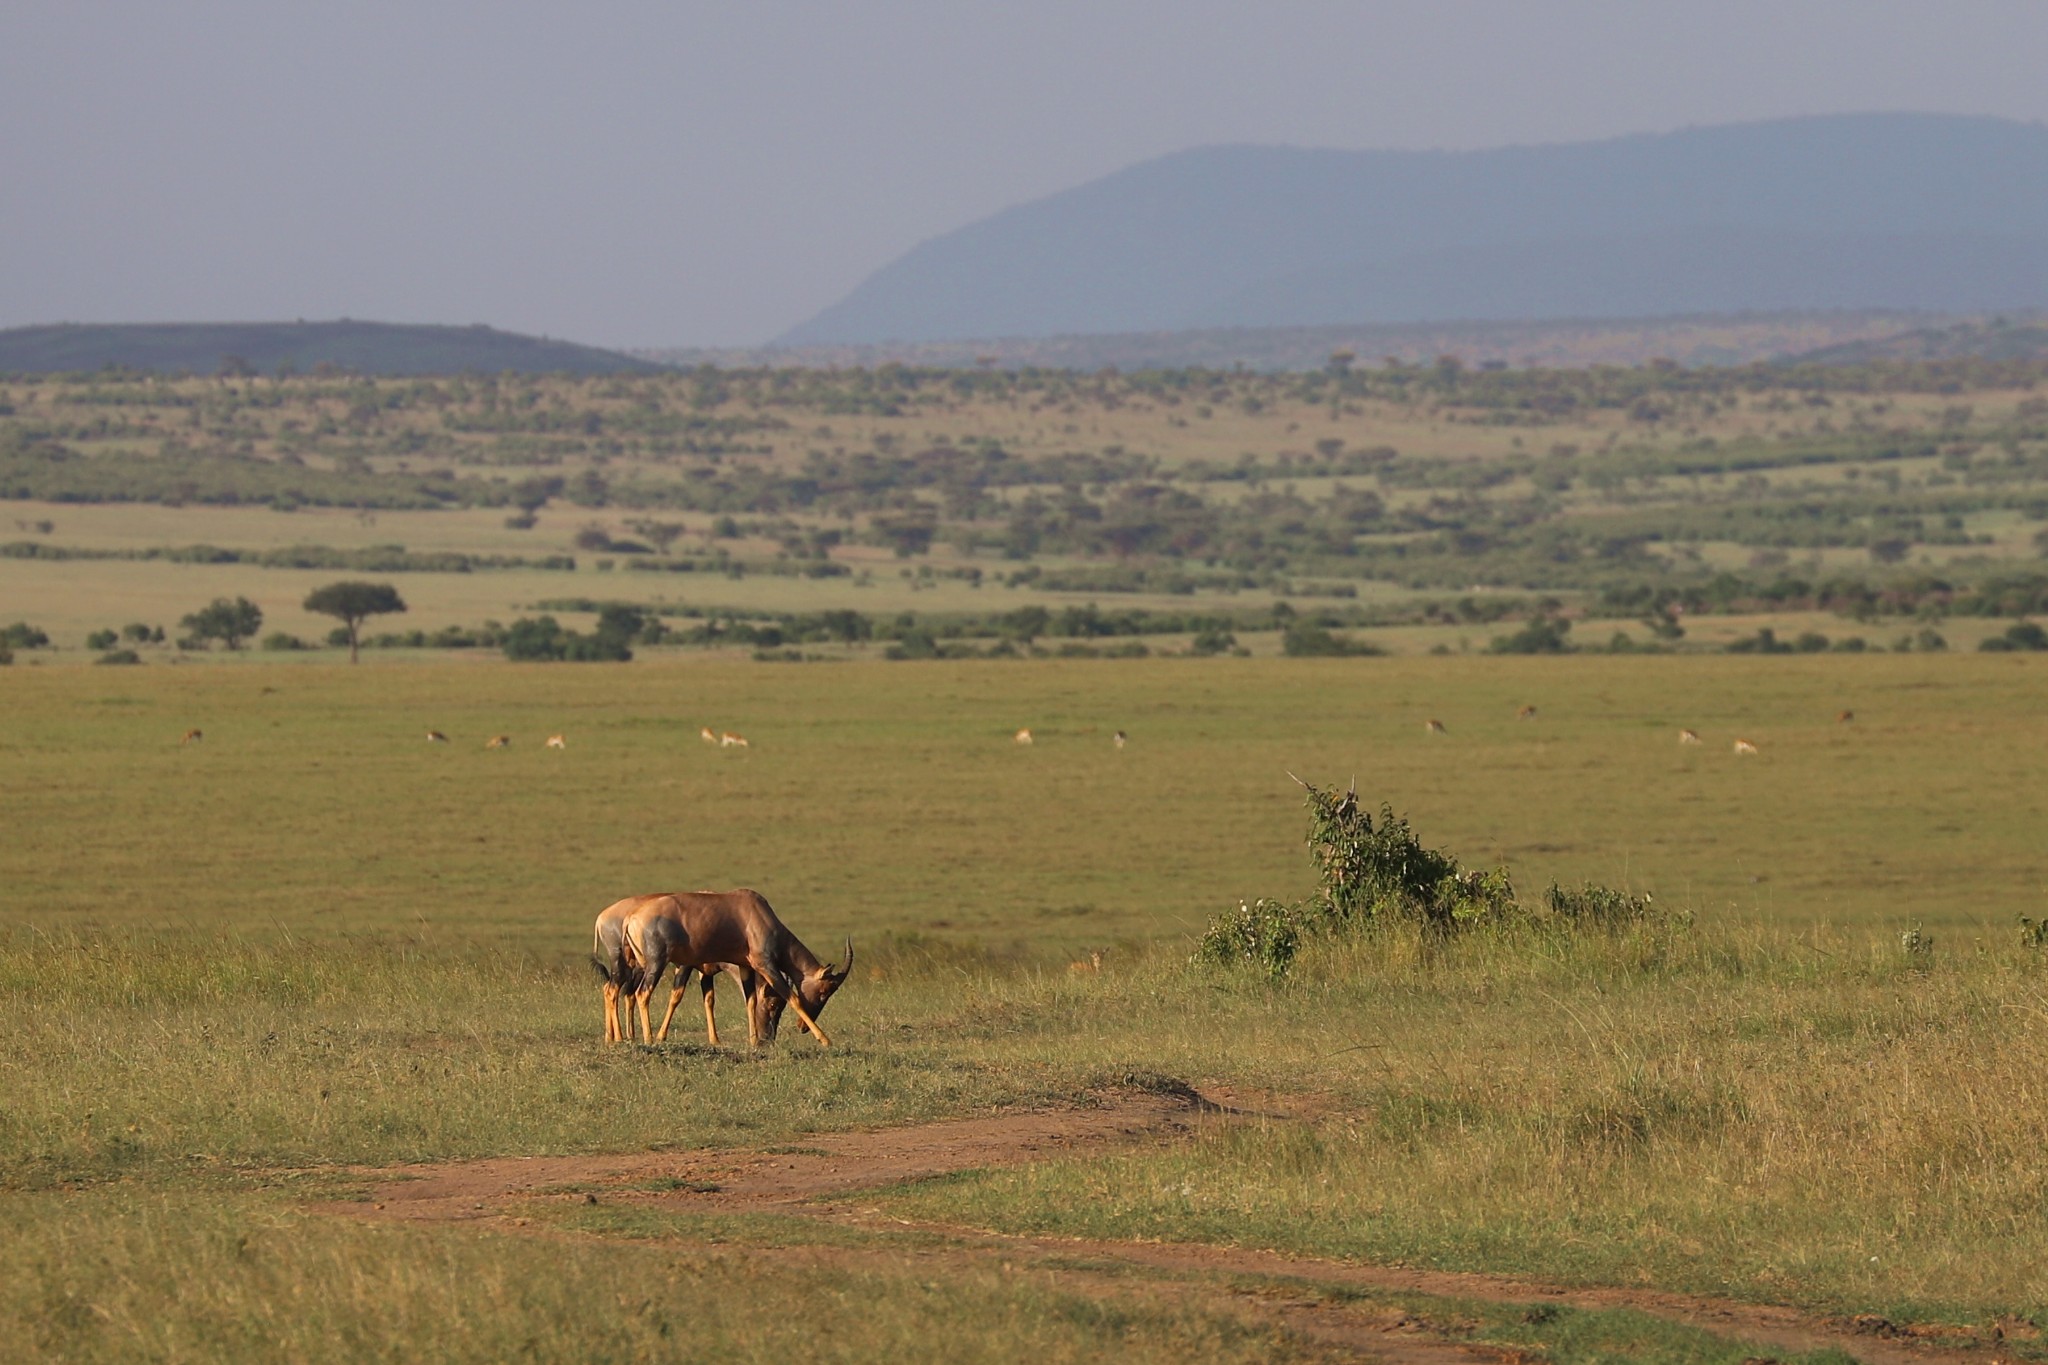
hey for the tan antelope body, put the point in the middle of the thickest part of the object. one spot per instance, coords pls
(192, 737)
(728, 740)
(1743, 746)
(498, 742)
(620, 969)
(1433, 727)
(436, 737)
(1023, 736)
(1688, 737)
(689, 930)
(557, 742)
(1526, 713)
(705, 734)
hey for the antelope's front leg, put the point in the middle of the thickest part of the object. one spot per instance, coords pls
(796, 1003)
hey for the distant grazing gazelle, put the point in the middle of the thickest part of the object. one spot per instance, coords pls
(1434, 727)
(192, 737)
(706, 735)
(1526, 713)
(1119, 739)
(1023, 736)
(1845, 718)
(498, 742)
(1688, 736)
(728, 740)
(436, 737)
(1743, 746)
(557, 742)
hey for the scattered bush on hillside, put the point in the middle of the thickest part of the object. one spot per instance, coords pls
(1373, 876)
(1543, 635)
(229, 622)
(119, 656)
(2027, 636)
(1305, 640)
(22, 635)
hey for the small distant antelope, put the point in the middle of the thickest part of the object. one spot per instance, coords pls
(1119, 739)
(1434, 727)
(498, 742)
(706, 735)
(557, 742)
(1743, 746)
(729, 740)
(1091, 963)
(192, 737)
(1526, 713)
(436, 737)
(1023, 736)
(1688, 736)
(1845, 718)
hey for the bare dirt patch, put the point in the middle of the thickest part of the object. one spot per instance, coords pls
(810, 1177)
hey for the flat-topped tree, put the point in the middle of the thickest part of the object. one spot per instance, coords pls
(351, 603)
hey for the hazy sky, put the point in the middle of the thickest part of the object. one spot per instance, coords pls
(680, 173)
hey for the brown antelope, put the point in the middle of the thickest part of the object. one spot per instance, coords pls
(1090, 963)
(1526, 713)
(557, 742)
(1119, 739)
(689, 929)
(1023, 736)
(706, 735)
(1688, 736)
(619, 971)
(436, 737)
(1434, 727)
(498, 742)
(729, 740)
(192, 737)
(1845, 718)
(1743, 746)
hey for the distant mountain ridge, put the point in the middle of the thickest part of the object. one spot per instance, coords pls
(382, 348)
(1928, 212)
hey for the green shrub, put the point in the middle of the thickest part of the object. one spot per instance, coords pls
(119, 656)
(22, 635)
(102, 639)
(1377, 874)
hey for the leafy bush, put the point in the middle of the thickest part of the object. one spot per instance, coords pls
(2026, 636)
(102, 639)
(22, 635)
(119, 656)
(1543, 635)
(283, 640)
(1305, 640)
(546, 641)
(1372, 875)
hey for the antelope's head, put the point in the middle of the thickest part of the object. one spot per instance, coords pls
(818, 986)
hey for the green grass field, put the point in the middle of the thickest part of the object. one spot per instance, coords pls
(235, 973)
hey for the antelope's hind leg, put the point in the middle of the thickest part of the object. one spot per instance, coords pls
(710, 995)
(675, 998)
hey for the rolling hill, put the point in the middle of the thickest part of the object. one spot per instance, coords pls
(270, 347)
(1938, 213)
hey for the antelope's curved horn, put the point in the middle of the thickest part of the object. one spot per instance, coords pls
(847, 969)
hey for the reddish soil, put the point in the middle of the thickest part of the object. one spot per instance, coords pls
(810, 1179)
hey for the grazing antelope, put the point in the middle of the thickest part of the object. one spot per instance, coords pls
(619, 972)
(192, 737)
(706, 735)
(436, 737)
(1091, 963)
(557, 742)
(690, 929)
(498, 742)
(1526, 713)
(1434, 727)
(1743, 746)
(1119, 739)
(1845, 718)
(729, 740)
(1023, 736)
(1688, 736)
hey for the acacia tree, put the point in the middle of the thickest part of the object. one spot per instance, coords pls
(225, 621)
(351, 603)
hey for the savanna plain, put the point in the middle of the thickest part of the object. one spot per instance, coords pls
(303, 1051)
(262, 986)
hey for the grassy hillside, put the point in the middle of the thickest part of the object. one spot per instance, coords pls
(379, 348)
